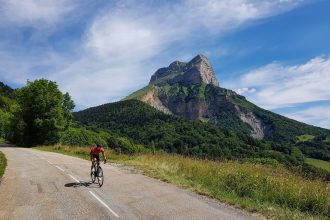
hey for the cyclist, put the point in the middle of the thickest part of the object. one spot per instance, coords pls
(95, 151)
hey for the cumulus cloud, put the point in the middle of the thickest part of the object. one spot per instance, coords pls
(100, 81)
(124, 43)
(319, 116)
(277, 85)
(143, 31)
(34, 12)
(132, 34)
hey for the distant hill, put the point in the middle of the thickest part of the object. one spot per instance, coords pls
(191, 90)
(6, 90)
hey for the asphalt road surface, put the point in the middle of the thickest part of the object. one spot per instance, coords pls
(45, 185)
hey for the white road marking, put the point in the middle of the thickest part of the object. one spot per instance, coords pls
(59, 168)
(74, 178)
(103, 203)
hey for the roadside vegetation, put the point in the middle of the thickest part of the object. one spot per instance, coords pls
(319, 163)
(257, 185)
(3, 164)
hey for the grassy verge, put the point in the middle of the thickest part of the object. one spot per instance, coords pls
(319, 163)
(270, 190)
(3, 164)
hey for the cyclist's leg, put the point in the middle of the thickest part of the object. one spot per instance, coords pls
(97, 159)
(94, 162)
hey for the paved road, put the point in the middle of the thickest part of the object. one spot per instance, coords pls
(45, 185)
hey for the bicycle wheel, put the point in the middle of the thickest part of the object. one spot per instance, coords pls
(93, 176)
(100, 177)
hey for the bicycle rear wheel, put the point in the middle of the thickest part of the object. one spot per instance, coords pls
(100, 177)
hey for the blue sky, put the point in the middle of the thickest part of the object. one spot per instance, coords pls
(274, 52)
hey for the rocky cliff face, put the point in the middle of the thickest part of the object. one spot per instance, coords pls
(196, 71)
(191, 90)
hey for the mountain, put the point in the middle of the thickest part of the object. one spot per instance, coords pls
(191, 90)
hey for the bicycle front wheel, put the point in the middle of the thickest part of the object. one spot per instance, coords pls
(100, 177)
(93, 173)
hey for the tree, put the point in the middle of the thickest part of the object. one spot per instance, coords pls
(44, 113)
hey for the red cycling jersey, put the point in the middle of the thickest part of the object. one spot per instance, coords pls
(97, 151)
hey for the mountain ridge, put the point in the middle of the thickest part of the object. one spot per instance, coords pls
(211, 103)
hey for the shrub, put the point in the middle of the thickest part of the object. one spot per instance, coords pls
(82, 137)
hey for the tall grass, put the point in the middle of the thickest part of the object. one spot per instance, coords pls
(269, 189)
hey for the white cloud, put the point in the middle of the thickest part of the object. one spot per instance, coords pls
(319, 116)
(123, 45)
(92, 82)
(124, 40)
(245, 90)
(144, 31)
(124, 35)
(217, 16)
(282, 85)
(34, 12)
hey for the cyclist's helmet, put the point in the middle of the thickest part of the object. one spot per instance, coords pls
(98, 145)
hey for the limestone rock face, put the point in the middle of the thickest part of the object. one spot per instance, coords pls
(175, 67)
(196, 71)
(200, 70)
(191, 90)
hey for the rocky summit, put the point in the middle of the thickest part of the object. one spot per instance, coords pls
(198, 70)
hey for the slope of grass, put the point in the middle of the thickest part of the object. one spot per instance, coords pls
(319, 163)
(137, 94)
(305, 137)
(267, 189)
(3, 163)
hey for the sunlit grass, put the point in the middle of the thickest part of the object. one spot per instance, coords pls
(319, 163)
(271, 190)
(305, 137)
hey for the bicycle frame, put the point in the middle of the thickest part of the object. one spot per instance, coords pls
(97, 170)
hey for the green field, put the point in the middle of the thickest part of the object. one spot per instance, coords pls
(268, 189)
(3, 163)
(319, 163)
(305, 137)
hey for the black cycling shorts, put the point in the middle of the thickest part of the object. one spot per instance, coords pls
(96, 156)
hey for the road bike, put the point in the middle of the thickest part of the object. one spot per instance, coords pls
(97, 173)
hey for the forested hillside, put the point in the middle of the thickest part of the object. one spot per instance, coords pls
(144, 125)
(154, 129)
